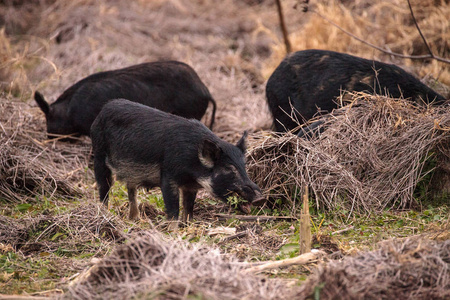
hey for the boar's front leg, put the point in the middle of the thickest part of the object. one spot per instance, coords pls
(134, 210)
(188, 204)
(171, 198)
(103, 176)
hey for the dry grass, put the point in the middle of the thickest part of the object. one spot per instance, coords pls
(371, 156)
(227, 55)
(153, 266)
(86, 228)
(414, 268)
(234, 46)
(31, 168)
(387, 24)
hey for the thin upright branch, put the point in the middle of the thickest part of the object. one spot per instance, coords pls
(287, 42)
(418, 29)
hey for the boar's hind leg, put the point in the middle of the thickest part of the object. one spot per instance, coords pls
(188, 205)
(103, 176)
(134, 210)
(171, 198)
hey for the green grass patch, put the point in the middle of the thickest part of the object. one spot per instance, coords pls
(20, 274)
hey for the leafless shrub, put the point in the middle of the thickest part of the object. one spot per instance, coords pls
(370, 157)
(414, 268)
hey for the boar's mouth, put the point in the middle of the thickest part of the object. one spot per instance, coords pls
(245, 207)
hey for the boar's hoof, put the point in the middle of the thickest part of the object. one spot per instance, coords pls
(134, 215)
(173, 226)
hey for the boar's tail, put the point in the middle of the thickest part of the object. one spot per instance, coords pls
(43, 105)
(213, 116)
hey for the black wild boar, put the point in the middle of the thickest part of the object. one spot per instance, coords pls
(309, 80)
(170, 86)
(146, 147)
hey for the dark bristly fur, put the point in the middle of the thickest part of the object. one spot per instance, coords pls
(170, 86)
(146, 147)
(309, 81)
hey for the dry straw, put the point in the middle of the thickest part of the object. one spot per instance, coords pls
(386, 23)
(370, 157)
(30, 168)
(153, 266)
(415, 268)
(86, 228)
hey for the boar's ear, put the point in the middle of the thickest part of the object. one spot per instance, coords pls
(209, 153)
(41, 102)
(242, 143)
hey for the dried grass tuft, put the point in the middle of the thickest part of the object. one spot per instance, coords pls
(370, 157)
(30, 168)
(77, 230)
(415, 268)
(152, 266)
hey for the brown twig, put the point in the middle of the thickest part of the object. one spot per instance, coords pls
(235, 236)
(255, 218)
(418, 29)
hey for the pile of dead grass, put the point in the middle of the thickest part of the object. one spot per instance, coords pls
(29, 166)
(152, 266)
(414, 268)
(85, 229)
(371, 156)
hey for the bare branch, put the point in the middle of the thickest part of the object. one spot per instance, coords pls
(418, 29)
(287, 42)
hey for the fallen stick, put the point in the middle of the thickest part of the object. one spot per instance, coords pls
(235, 236)
(342, 230)
(299, 260)
(23, 297)
(255, 218)
(221, 230)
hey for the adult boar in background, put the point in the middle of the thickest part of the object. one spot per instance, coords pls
(171, 86)
(146, 147)
(309, 81)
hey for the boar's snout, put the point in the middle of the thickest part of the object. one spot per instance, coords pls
(251, 193)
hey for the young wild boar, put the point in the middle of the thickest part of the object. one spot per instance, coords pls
(309, 80)
(146, 147)
(170, 86)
